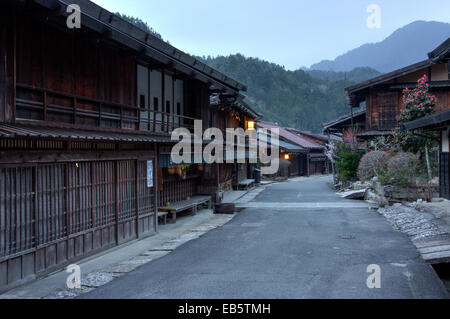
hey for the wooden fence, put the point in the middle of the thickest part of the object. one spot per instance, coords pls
(53, 214)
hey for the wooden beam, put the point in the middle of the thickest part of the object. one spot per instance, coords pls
(40, 12)
(410, 85)
(21, 157)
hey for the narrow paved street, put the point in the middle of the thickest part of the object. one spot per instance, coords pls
(296, 240)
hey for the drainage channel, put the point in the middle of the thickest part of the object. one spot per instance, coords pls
(443, 271)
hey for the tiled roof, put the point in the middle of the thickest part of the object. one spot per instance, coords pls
(33, 131)
(291, 137)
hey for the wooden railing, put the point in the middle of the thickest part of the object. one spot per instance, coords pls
(39, 104)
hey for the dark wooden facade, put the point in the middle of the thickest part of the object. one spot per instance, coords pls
(383, 107)
(82, 117)
(383, 95)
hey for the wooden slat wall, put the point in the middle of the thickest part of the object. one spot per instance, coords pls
(103, 189)
(58, 60)
(17, 231)
(50, 203)
(443, 99)
(382, 110)
(175, 191)
(146, 195)
(51, 214)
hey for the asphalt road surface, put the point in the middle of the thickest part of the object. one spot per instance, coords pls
(297, 240)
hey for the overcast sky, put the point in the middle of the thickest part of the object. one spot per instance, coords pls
(292, 33)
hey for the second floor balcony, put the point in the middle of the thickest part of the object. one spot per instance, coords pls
(58, 108)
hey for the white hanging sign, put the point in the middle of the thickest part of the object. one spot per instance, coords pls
(149, 174)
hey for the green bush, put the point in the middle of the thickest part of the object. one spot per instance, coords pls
(395, 179)
(347, 166)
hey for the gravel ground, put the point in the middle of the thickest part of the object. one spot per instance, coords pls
(420, 221)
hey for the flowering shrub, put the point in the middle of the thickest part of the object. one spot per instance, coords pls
(405, 140)
(418, 102)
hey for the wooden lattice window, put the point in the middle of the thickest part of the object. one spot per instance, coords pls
(387, 111)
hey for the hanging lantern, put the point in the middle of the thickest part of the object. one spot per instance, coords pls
(251, 125)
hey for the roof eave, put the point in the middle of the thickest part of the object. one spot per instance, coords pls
(429, 122)
(388, 76)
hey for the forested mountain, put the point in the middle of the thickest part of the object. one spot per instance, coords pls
(140, 24)
(301, 99)
(407, 45)
(356, 75)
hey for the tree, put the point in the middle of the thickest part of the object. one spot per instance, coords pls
(418, 103)
(140, 24)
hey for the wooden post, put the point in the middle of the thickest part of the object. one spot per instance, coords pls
(353, 127)
(14, 66)
(155, 187)
(74, 85)
(149, 104)
(136, 191)
(163, 102)
(93, 179)
(116, 200)
(173, 103)
(218, 183)
(36, 210)
(308, 159)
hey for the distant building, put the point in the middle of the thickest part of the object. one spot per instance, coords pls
(299, 156)
(382, 96)
(346, 127)
(313, 137)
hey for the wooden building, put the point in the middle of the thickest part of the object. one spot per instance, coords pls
(383, 95)
(86, 117)
(440, 121)
(302, 156)
(346, 127)
(315, 138)
(383, 101)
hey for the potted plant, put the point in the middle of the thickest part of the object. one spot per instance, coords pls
(184, 170)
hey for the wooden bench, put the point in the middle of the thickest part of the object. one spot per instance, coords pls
(184, 205)
(246, 183)
(203, 200)
(163, 217)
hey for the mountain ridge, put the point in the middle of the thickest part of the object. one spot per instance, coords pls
(407, 45)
